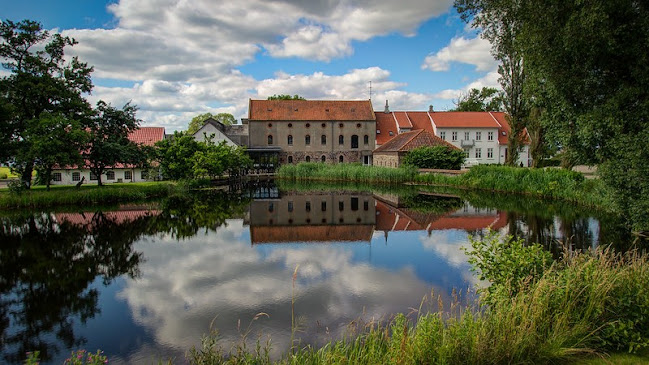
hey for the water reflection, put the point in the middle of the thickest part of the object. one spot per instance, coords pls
(222, 258)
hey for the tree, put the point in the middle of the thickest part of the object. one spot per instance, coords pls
(40, 81)
(435, 157)
(198, 121)
(56, 141)
(285, 97)
(108, 142)
(501, 22)
(176, 154)
(487, 99)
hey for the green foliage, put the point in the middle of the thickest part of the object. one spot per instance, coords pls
(345, 172)
(487, 99)
(435, 157)
(507, 264)
(285, 97)
(83, 357)
(198, 121)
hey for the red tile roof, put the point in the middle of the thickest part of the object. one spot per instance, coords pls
(464, 120)
(402, 119)
(421, 120)
(385, 123)
(117, 217)
(316, 110)
(410, 140)
(147, 136)
(503, 133)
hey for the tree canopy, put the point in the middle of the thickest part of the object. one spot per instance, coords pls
(487, 99)
(435, 157)
(285, 97)
(198, 121)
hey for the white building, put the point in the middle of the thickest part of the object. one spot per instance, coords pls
(482, 135)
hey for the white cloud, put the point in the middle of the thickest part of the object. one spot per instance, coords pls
(489, 80)
(475, 51)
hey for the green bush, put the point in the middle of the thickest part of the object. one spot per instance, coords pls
(435, 157)
(3, 175)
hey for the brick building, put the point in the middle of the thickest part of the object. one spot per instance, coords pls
(392, 152)
(331, 131)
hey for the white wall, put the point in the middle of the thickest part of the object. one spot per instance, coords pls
(483, 144)
(210, 130)
(66, 176)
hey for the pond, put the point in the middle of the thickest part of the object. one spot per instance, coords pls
(143, 282)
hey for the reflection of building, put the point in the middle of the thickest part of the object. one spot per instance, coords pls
(125, 214)
(313, 217)
(392, 218)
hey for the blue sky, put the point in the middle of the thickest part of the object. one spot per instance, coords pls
(176, 59)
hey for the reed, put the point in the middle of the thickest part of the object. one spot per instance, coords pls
(345, 172)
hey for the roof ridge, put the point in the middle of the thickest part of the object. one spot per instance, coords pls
(494, 118)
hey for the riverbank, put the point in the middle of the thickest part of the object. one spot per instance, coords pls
(551, 183)
(39, 197)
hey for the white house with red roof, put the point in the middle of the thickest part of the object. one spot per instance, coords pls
(482, 135)
(146, 136)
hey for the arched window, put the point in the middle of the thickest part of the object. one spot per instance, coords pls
(290, 140)
(341, 139)
(340, 159)
(308, 159)
(366, 139)
(270, 139)
(290, 159)
(307, 140)
(323, 140)
(323, 158)
(354, 141)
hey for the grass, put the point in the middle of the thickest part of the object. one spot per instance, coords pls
(5, 173)
(59, 195)
(345, 172)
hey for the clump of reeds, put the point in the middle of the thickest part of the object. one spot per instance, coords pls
(345, 172)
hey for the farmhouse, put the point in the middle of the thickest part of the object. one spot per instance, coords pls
(482, 135)
(233, 135)
(147, 136)
(392, 153)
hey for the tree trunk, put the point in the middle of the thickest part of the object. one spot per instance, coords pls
(26, 177)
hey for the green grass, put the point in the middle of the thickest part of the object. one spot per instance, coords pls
(616, 359)
(61, 195)
(345, 172)
(5, 171)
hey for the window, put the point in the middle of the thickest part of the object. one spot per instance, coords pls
(290, 159)
(490, 153)
(94, 177)
(341, 205)
(478, 136)
(323, 140)
(354, 204)
(354, 141)
(341, 125)
(324, 125)
(308, 125)
(490, 136)
(478, 153)
(366, 139)
(290, 125)
(454, 136)
(323, 206)
(307, 206)
(341, 139)
(289, 140)
(290, 206)
(270, 125)
(467, 135)
(366, 205)
(391, 133)
(128, 175)
(323, 158)
(340, 159)
(442, 135)
(271, 207)
(307, 140)
(358, 125)
(270, 139)
(144, 175)
(76, 176)
(56, 176)
(110, 175)
(466, 152)
(378, 131)
(308, 159)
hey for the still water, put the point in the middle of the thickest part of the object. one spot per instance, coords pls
(145, 282)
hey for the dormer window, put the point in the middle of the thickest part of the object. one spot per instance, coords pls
(378, 131)
(391, 133)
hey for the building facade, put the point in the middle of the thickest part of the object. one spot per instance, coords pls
(482, 135)
(313, 130)
(392, 153)
(233, 135)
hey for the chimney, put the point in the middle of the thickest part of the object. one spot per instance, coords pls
(430, 108)
(387, 107)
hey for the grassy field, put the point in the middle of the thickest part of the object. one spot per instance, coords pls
(5, 171)
(61, 195)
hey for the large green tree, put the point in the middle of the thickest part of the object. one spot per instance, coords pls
(198, 121)
(501, 22)
(487, 99)
(40, 80)
(108, 143)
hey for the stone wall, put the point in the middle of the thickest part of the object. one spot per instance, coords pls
(386, 159)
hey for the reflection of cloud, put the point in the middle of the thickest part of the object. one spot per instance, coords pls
(185, 285)
(449, 244)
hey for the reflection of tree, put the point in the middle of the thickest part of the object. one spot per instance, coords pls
(183, 216)
(46, 268)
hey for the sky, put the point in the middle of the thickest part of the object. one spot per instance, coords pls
(176, 59)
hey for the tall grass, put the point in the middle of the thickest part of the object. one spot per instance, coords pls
(345, 172)
(589, 303)
(86, 195)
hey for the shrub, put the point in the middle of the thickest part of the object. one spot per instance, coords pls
(435, 157)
